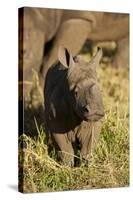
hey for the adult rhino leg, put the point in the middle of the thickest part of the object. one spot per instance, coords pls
(31, 47)
(121, 58)
(72, 34)
(88, 140)
(65, 149)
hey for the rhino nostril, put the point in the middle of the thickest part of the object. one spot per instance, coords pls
(85, 109)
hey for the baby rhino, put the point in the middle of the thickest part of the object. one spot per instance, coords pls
(73, 105)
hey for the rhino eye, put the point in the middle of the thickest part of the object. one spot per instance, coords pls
(75, 93)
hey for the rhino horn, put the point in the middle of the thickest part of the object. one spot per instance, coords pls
(96, 58)
(65, 57)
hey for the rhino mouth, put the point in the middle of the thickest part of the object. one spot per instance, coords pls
(91, 117)
(94, 117)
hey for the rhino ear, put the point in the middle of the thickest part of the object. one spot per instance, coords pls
(96, 59)
(65, 57)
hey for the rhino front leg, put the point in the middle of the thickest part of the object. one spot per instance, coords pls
(65, 149)
(72, 34)
(121, 58)
(88, 140)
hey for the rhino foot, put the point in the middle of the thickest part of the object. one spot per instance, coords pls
(66, 159)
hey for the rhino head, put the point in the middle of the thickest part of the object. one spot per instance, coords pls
(83, 90)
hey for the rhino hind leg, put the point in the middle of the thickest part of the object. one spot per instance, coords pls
(121, 59)
(65, 152)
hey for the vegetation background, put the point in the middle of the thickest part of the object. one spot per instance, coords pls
(109, 164)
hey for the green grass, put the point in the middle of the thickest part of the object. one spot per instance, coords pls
(109, 165)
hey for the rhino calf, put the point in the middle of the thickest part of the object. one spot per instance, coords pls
(73, 105)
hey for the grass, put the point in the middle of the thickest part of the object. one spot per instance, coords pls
(109, 165)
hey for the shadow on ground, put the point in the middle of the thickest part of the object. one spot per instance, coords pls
(13, 187)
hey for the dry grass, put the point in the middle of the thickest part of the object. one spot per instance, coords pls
(109, 165)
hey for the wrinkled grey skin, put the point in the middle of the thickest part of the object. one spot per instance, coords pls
(73, 105)
(45, 29)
